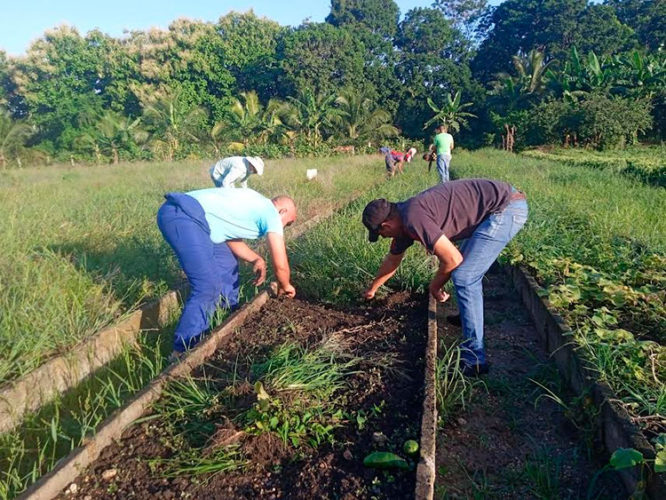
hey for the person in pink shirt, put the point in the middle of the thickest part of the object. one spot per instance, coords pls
(395, 160)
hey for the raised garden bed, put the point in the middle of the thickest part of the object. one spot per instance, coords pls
(615, 426)
(64, 372)
(288, 407)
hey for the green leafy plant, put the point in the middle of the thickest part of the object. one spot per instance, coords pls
(451, 113)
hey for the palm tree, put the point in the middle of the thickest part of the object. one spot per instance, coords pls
(450, 113)
(13, 136)
(246, 121)
(111, 133)
(360, 120)
(531, 71)
(171, 122)
(519, 90)
(310, 115)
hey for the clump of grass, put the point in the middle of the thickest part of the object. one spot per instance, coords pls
(542, 470)
(452, 390)
(193, 463)
(303, 382)
(316, 372)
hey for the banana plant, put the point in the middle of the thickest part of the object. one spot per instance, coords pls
(451, 113)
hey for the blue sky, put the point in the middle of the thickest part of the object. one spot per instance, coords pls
(23, 21)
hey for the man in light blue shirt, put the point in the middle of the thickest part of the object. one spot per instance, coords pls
(205, 228)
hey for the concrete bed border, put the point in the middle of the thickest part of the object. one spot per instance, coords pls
(614, 423)
(61, 373)
(425, 470)
(52, 484)
(40, 386)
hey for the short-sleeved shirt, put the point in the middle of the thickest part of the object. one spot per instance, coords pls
(453, 209)
(237, 213)
(229, 170)
(397, 155)
(443, 143)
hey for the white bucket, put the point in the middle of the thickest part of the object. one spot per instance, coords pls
(311, 173)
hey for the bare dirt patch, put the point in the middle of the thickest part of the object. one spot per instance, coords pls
(512, 441)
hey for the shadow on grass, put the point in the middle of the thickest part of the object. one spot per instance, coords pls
(135, 270)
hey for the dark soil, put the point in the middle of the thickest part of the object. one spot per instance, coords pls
(512, 441)
(386, 388)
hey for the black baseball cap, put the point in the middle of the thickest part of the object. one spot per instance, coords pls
(375, 212)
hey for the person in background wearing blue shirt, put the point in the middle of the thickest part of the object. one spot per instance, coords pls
(206, 229)
(228, 171)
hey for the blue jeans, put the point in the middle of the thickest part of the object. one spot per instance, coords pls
(443, 162)
(211, 269)
(479, 252)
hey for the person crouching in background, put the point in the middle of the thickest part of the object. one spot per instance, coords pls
(228, 171)
(395, 160)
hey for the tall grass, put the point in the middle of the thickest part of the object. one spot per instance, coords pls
(319, 372)
(335, 262)
(79, 247)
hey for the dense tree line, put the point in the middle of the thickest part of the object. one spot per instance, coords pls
(526, 72)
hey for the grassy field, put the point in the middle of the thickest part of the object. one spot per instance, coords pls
(646, 164)
(79, 247)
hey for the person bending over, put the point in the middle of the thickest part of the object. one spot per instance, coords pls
(484, 215)
(206, 229)
(228, 171)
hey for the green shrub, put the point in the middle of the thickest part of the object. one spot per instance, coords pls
(608, 122)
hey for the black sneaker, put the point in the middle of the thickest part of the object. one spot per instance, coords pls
(454, 320)
(475, 370)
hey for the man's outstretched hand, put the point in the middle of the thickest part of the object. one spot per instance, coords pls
(276, 290)
(369, 294)
(439, 295)
(259, 270)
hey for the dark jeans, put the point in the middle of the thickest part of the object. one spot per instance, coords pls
(211, 269)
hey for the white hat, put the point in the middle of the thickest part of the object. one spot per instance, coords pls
(257, 163)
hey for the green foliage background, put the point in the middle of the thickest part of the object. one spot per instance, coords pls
(78, 94)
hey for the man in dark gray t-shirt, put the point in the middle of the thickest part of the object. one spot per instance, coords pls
(484, 215)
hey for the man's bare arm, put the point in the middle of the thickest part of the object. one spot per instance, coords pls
(385, 272)
(449, 259)
(280, 263)
(240, 249)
